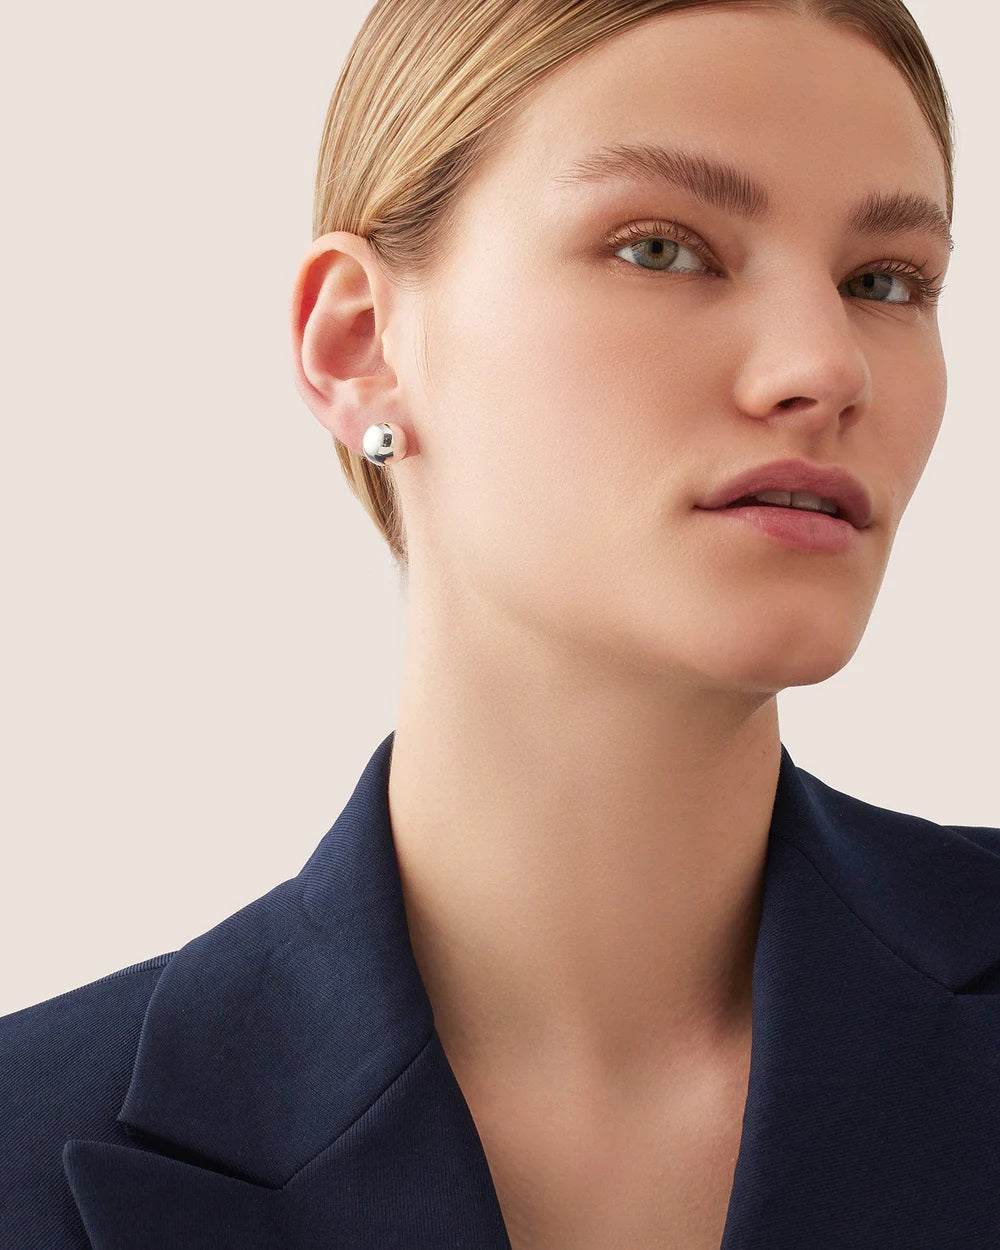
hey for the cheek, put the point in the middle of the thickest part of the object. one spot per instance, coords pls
(561, 417)
(913, 418)
(535, 442)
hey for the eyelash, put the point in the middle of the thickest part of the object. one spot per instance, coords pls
(925, 289)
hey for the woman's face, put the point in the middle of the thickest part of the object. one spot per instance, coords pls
(583, 393)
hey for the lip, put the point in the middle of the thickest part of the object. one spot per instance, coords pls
(828, 481)
(798, 528)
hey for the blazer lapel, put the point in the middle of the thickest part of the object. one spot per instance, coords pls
(873, 1110)
(290, 1091)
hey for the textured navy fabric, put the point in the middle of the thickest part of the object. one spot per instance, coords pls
(278, 1084)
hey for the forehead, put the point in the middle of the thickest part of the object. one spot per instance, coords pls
(805, 108)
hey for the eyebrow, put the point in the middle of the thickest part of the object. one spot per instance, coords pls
(737, 192)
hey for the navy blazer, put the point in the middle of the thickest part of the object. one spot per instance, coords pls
(278, 1084)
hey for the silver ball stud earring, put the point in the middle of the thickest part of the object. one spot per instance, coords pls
(384, 442)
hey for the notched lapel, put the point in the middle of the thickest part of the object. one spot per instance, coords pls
(289, 1089)
(873, 1107)
(410, 1174)
(134, 1199)
(289, 1068)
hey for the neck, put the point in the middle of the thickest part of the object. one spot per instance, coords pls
(582, 860)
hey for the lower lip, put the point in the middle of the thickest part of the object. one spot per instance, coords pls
(806, 531)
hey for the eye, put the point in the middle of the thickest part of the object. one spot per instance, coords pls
(668, 239)
(920, 284)
(671, 233)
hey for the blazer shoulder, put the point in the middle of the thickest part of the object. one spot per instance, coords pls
(65, 1066)
(84, 1005)
(985, 836)
(894, 822)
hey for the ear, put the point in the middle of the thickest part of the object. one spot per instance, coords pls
(340, 305)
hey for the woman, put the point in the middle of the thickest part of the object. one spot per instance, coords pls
(586, 961)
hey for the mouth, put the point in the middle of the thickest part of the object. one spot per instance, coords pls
(794, 486)
(783, 499)
(803, 529)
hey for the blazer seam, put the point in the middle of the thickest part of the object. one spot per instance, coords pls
(299, 896)
(861, 920)
(361, 1114)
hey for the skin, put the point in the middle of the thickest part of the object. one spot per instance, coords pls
(587, 746)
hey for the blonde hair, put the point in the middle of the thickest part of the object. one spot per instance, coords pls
(430, 89)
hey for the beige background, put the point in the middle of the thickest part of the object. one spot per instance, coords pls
(202, 630)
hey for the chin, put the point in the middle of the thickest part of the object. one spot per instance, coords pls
(771, 663)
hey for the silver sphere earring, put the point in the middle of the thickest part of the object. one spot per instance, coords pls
(384, 442)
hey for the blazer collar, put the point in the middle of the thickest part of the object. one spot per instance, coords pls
(289, 1089)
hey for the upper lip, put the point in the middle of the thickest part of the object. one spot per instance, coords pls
(826, 480)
